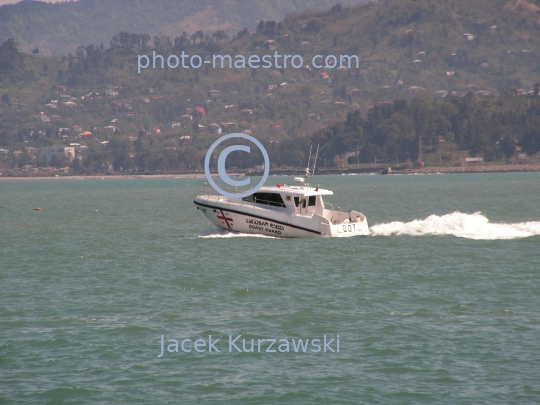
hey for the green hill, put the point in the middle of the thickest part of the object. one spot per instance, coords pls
(57, 29)
(485, 107)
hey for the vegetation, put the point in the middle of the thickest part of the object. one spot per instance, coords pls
(57, 29)
(148, 122)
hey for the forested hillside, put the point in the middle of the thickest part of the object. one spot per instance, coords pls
(469, 95)
(57, 29)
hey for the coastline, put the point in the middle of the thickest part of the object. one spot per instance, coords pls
(111, 176)
(531, 167)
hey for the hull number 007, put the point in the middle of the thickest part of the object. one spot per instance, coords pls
(346, 228)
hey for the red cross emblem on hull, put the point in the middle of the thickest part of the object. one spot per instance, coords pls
(225, 220)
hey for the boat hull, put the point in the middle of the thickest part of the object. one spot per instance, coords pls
(224, 216)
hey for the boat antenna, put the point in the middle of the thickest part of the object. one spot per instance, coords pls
(309, 160)
(315, 162)
(303, 180)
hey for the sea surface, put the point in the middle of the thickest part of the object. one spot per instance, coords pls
(440, 305)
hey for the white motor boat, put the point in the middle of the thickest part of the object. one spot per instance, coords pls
(282, 211)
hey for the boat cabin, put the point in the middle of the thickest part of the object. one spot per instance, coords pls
(301, 200)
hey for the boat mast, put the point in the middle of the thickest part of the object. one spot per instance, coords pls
(308, 174)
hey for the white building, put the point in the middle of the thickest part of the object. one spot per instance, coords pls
(49, 151)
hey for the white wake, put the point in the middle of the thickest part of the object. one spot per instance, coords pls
(226, 234)
(470, 226)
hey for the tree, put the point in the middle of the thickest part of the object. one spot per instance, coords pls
(10, 57)
(59, 160)
(77, 167)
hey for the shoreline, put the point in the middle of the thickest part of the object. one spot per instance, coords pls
(111, 176)
(535, 167)
(530, 167)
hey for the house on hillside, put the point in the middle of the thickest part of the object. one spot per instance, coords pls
(214, 93)
(468, 37)
(215, 129)
(175, 124)
(49, 151)
(441, 93)
(186, 119)
(200, 111)
(415, 89)
(43, 118)
(228, 126)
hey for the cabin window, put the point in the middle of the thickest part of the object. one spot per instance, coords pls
(312, 200)
(272, 199)
(300, 202)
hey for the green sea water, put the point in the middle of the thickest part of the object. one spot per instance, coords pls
(440, 305)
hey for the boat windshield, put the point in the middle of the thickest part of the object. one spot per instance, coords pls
(312, 200)
(273, 199)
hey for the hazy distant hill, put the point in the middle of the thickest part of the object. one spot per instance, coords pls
(59, 28)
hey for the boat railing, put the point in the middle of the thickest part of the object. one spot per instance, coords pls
(204, 188)
(335, 215)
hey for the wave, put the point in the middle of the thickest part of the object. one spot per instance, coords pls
(470, 226)
(226, 234)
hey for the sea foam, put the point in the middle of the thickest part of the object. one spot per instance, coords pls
(470, 226)
(226, 234)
